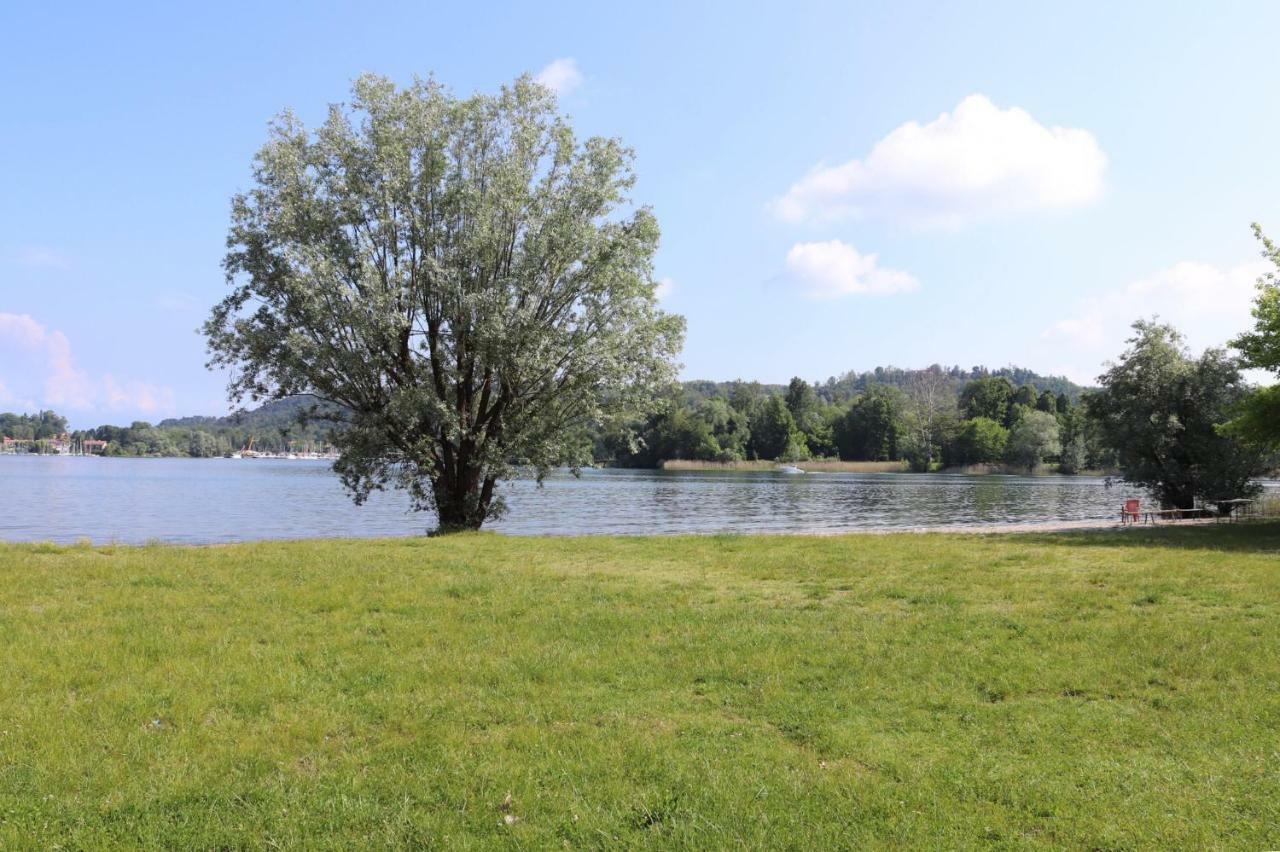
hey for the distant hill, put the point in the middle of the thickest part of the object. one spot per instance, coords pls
(853, 382)
(272, 426)
(271, 417)
(283, 413)
(842, 388)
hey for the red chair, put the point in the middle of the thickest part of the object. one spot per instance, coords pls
(1130, 513)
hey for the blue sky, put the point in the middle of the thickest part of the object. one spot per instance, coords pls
(839, 185)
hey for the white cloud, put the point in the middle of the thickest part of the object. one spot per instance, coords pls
(1196, 289)
(977, 162)
(829, 270)
(664, 288)
(40, 257)
(1084, 332)
(1208, 304)
(178, 301)
(21, 330)
(561, 76)
(42, 358)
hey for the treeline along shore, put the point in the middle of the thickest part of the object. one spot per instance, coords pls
(277, 427)
(882, 420)
(887, 420)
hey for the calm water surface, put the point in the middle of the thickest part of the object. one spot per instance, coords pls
(219, 500)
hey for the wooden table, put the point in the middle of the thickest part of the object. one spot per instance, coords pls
(1155, 515)
(1239, 508)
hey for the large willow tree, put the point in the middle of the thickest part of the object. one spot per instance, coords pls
(462, 279)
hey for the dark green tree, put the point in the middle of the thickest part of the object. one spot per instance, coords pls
(730, 428)
(812, 417)
(871, 428)
(1032, 439)
(980, 440)
(801, 400)
(202, 445)
(1257, 418)
(1026, 396)
(748, 398)
(41, 426)
(682, 435)
(987, 397)
(772, 433)
(1160, 411)
(1072, 425)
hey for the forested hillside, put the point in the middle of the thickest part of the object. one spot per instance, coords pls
(842, 388)
(948, 416)
(276, 427)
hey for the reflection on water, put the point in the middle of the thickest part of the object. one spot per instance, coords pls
(217, 500)
(650, 501)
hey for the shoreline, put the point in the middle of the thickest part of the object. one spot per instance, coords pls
(838, 466)
(1004, 528)
(765, 466)
(968, 530)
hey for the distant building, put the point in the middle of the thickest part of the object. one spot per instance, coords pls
(61, 445)
(15, 445)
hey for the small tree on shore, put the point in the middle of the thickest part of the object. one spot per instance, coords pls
(930, 413)
(980, 440)
(871, 429)
(1074, 454)
(461, 277)
(774, 434)
(1032, 439)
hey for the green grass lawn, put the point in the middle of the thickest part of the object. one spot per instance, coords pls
(1084, 690)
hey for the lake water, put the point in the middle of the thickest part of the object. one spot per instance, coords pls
(201, 501)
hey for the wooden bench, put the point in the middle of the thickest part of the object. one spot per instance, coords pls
(1234, 510)
(1156, 515)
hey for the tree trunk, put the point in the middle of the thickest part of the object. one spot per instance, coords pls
(463, 497)
(1179, 499)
